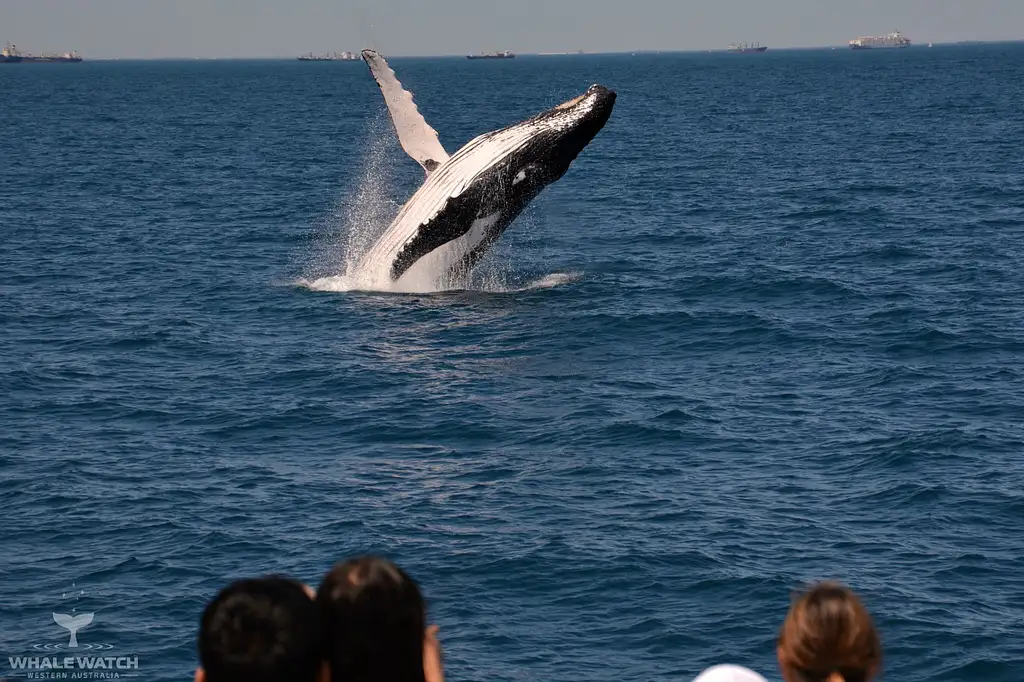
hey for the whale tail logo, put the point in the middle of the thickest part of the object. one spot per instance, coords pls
(72, 624)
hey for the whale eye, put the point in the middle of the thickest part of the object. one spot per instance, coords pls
(527, 172)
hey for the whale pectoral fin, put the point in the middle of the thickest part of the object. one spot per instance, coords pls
(418, 139)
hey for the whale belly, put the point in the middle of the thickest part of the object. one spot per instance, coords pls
(443, 268)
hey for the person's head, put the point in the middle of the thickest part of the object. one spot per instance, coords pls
(260, 630)
(374, 623)
(828, 636)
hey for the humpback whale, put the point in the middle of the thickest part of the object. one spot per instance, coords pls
(469, 198)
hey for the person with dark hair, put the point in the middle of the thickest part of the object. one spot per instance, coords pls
(261, 630)
(828, 636)
(374, 625)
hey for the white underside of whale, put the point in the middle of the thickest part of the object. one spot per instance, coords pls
(428, 272)
(447, 182)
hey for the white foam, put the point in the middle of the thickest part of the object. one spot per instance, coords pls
(555, 279)
(345, 283)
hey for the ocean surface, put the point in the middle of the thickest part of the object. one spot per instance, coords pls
(768, 329)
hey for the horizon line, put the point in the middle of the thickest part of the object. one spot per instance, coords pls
(544, 54)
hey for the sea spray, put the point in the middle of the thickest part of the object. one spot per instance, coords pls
(357, 219)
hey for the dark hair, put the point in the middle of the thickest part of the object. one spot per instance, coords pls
(373, 619)
(260, 630)
(829, 635)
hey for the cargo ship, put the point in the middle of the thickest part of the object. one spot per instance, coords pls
(507, 54)
(893, 40)
(746, 47)
(330, 57)
(10, 55)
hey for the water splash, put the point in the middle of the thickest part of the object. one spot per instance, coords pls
(341, 283)
(350, 228)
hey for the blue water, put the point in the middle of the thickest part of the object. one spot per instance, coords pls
(769, 328)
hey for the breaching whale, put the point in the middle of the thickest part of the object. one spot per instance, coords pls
(469, 198)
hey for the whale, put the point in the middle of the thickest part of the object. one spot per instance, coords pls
(469, 198)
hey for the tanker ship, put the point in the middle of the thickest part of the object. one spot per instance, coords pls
(10, 55)
(894, 39)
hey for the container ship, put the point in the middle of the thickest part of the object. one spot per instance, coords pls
(507, 54)
(745, 48)
(10, 55)
(330, 57)
(894, 39)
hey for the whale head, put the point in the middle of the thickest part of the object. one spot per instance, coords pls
(558, 135)
(575, 123)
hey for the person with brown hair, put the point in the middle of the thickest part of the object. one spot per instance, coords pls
(374, 624)
(828, 636)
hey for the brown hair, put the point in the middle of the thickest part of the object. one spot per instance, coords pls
(828, 636)
(373, 620)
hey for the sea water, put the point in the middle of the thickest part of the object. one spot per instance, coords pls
(768, 328)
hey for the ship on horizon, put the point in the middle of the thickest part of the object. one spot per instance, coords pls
(893, 40)
(507, 54)
(747, 47)
(11, 55)
(330, 57)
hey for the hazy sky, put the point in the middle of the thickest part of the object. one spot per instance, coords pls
(286, 28)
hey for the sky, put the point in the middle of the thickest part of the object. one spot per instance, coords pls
(286, 28)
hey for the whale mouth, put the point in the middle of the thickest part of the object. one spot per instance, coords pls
(595, 92)
(588, 111)
(573, 102)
